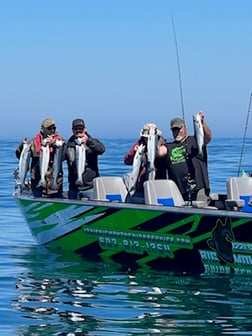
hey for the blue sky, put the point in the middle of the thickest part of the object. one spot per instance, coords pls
(114, 63)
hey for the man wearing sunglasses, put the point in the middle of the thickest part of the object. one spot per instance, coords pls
(81, 153)
(183, 163)
(46, 152)
(137, 156)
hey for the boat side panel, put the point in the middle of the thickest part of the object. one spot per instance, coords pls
(172, 240)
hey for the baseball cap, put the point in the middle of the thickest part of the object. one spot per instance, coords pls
(78, 122)
(177, 123)
(47, 122)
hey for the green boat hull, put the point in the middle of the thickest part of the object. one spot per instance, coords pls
(179, 239)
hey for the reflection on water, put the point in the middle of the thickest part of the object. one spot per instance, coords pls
(43, 293)
(67, 295)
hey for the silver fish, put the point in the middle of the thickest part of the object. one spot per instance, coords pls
(151, 153)
(130, 179)
(24, 163)
(57, 161)
(199, 133)
(80, 163)
(137, 161)
(43, 164)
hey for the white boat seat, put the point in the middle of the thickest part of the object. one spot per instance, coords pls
(162, 192)
(109, 188)
(214, 197)
(239, 191)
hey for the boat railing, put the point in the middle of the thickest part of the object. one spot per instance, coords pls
(112, 190)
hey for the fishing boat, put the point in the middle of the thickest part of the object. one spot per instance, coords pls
(165, 232)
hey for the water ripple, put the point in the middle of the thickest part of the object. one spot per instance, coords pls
(45, 293)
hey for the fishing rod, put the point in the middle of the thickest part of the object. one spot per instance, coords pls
(179, 69)
(244, 136)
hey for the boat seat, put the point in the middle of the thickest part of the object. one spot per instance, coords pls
(109, 188)
(214, 197)
(239, 191)
(162, 192)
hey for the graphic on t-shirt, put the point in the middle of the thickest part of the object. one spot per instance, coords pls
(178, 155)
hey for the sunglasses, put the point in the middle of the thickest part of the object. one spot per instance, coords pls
(78, 128)
(51, 128)
(176, 129)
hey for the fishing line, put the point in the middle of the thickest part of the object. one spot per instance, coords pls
(179, 69)
(244, 136)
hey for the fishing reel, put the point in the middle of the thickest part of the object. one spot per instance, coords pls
(190, 182)
(190, 186)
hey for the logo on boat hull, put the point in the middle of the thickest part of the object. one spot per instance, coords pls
(222, 239)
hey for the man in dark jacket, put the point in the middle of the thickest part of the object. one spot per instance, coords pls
(81, 153)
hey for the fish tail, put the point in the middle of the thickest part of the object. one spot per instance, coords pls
(79, 182)
(41, 183)
(54, 186)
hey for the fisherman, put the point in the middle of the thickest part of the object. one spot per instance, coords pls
(46, 153)
(142, 156)
(81, 153)
(184, 164)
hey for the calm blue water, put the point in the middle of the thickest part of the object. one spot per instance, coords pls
(43, 293)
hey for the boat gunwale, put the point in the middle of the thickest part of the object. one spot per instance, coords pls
(135, 206)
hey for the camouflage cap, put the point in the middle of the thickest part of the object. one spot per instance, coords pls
(47, 122)
(177, 123)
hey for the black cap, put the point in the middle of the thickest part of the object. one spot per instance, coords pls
(78, 122)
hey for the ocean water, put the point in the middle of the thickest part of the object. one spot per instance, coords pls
(45, 293)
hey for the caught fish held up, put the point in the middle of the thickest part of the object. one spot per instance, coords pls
(151, 153)
(24, 163)
(80, 162)
(130, 179)
(43, 164)
(57, 162)
(199, 133)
